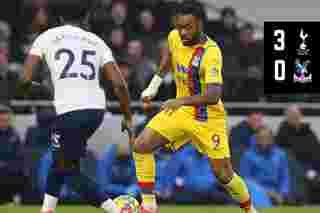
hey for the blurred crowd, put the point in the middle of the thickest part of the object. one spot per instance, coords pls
(281, 167)
(135, 30)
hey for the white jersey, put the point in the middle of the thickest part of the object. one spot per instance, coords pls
(74, 57)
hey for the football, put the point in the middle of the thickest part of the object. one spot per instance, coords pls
(127, 204)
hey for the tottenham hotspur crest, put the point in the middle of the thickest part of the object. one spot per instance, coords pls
(303, 47)
(55, 141)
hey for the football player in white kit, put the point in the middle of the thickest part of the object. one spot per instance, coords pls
(75, 57)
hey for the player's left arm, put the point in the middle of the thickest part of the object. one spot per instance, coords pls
(212, 96)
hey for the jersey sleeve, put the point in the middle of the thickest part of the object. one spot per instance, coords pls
(172, 39)
(106, 55)
(39, 46)
(212, 65)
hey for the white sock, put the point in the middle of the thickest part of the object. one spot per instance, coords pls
(49, 203)
(254, 210)
(149, 202)
(150, 206)
(109, 206)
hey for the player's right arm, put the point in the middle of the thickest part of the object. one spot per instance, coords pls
(33, 58)
(164, 66)
(113, 73)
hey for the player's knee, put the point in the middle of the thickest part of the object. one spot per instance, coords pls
(141, 146)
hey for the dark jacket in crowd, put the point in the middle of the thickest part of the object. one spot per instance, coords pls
(240, 136)
(10, 148)
(302, 142)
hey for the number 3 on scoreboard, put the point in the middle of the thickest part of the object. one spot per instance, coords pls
(279, 70)
(279, 46)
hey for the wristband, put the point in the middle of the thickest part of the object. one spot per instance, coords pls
(153, 87)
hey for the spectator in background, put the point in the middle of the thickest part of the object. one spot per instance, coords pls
(251, 63)
(9, 11)
(33, 19)
(118, 42)
(266, 165)
(13, 181)
(100, 21)
(4, 53)
(225, 30)
(165, 11)
(148, 33)
(116, 172)
(5, 36)
(8, 78)
(298, 138)
(240, 135)
(141, 67)
(5, 31)
(120, 15)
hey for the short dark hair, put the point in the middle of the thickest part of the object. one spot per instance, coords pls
(99, 19)
(190, 7)
(247, 26)
(228, 10)
(69, 10)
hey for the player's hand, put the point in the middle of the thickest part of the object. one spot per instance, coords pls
(171, 105)
(147, 105)
(127, 125)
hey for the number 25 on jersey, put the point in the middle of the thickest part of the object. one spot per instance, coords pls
(67, 72)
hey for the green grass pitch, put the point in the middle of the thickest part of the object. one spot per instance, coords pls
(164, 209)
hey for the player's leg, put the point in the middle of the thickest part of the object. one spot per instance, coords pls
(212, 140)
(232, 182)
(56, 174)
(88, 121)
(69, 137)
(88, 190)
(145, 165)
(160, 131)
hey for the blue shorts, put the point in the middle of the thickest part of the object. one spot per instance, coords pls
(71, 131)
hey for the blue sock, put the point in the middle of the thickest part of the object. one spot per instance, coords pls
(54, 182)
